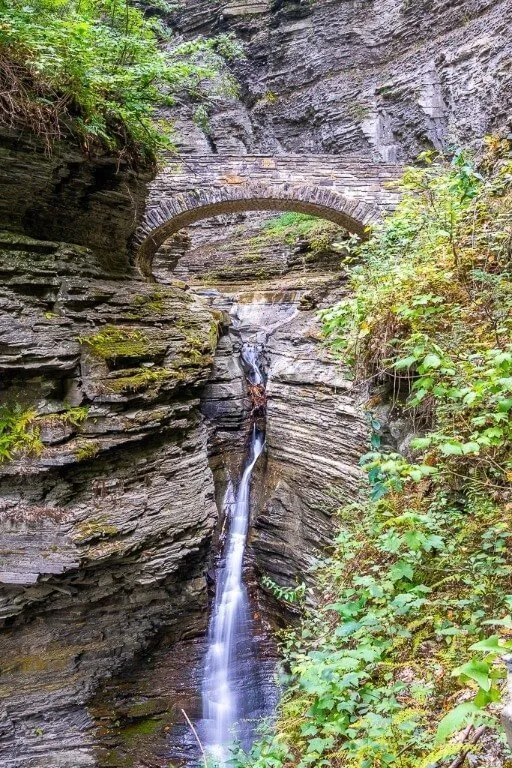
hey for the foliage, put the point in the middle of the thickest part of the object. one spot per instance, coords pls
(139, 379)
(19, 433)
(98, 69)
(75, 416)
(287, 594)
(431, 316)
(403, 649)
(289, 227)
(386, 667)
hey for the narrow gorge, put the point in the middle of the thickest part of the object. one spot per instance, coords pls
(203, 394)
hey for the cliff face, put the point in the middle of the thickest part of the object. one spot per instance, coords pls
(64, 196)
(389, 77)
(272, 284)
(105, 517)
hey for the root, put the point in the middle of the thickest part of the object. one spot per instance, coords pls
(27, 103)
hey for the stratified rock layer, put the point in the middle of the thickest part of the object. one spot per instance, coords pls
(103, 531)
(390, 78)
(273, 283)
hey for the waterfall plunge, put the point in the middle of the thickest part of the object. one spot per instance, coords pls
(230, 688)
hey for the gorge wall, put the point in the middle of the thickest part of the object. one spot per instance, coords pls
(388, 78)
(104, 527)
(136, 388)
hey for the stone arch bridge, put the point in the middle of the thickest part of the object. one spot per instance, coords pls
(353, 192)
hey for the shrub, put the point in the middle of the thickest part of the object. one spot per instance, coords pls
(98, 70)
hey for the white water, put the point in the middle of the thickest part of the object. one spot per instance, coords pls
(230, 684)
(250, 356)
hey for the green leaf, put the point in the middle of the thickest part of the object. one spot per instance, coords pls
(414, 539)
(319, 745)
(401, 570)
(454, 720)
(491, 644)
(421, 442)
(470, 447)
(431, 361)
(451, 449)
(405, 362)
(477, 671)
(378, 491)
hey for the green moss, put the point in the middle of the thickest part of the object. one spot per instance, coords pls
(145, 727)
(358, 111)
(113, 342)
(95, 528)
(153, 302)
(141, 378)
(198, 346)
(288, 227)
(86, 449)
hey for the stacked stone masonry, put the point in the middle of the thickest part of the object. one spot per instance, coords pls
(353, 192)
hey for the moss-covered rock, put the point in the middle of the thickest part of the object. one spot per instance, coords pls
(113, 343)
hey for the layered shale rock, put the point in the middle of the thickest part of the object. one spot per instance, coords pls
(272, 282)
(390, 78)
(65, 196)
(316, 433)
(107, 504)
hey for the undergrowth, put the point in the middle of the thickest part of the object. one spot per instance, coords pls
(289, 227)
(98, 70)
(400, 661)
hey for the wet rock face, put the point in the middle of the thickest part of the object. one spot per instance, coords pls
(273, 284)
(316, 433)
(105, 517)
(391, 78)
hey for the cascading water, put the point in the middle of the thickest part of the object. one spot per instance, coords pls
(231, 688)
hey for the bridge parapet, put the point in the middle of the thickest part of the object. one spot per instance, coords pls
(353, 192)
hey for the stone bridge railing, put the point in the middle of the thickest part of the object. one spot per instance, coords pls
(353, 192)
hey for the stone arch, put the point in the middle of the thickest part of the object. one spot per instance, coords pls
(167, 218)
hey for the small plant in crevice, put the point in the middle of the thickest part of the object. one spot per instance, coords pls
(74, 416)
(19, 433)
(286, 594)
(86, 449)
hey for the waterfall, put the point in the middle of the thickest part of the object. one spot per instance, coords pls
(231, 687)
(250, 356)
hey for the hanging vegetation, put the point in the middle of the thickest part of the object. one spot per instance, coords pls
(98, 70)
